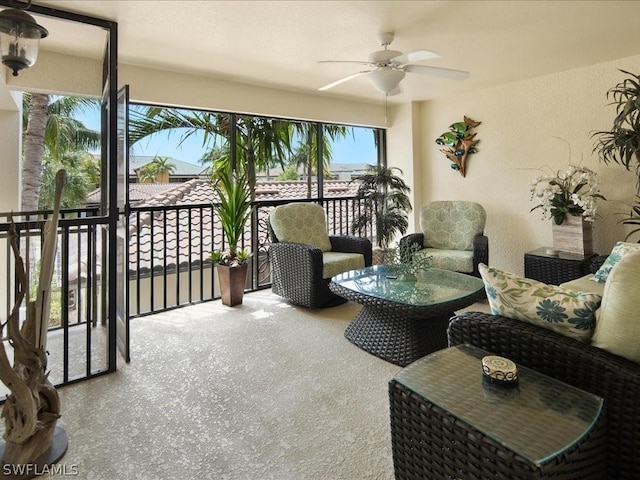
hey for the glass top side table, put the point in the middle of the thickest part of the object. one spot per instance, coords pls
(538, 419)
(536, 423)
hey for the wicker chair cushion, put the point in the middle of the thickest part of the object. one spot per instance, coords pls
(560, 309)
(618, 325)
(452, 225)
(334, 263)
(620, 249)
(455, 260)
(301, 223)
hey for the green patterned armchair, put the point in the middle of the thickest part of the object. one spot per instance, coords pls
(452, 236)
(304, 256)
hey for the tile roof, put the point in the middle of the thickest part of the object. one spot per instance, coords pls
(182, 167)
(185, 234)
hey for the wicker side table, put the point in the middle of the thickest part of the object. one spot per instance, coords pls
(446, 422)
(555, 269)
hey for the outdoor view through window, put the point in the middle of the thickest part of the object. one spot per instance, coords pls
(169, 146)
(172, 228)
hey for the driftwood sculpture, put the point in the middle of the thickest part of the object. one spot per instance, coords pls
(459, 143)
(33, 407)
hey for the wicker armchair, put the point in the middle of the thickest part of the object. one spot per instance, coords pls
(452, 234)
(298, 270)
(614, 378)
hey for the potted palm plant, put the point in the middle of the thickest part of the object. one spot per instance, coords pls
(621, 144)
(385, 206)
(233, 208)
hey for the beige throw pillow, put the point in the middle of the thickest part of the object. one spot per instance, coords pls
(560, 309)
(618, 324)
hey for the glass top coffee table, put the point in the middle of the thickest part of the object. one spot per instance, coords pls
(404, 316)
(448, 421)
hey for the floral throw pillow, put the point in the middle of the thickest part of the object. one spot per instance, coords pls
(620, 249)
(560, 309)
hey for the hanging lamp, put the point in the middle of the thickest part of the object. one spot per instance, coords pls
(19, 38)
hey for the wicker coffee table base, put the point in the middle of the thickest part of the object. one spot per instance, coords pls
(396, 336)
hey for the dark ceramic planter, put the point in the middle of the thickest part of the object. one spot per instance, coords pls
(232, 282)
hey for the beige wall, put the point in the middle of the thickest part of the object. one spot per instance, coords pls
(51, 73)
(519, 123)
(176, 89)
(10, 129)
(403, 141)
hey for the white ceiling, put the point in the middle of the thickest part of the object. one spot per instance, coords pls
(279, 43)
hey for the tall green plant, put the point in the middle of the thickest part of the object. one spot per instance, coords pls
(621, 144)
(633, 219)
(233, 207)
(386, 204)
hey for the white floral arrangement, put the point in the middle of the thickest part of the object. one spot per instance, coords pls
(574, 192)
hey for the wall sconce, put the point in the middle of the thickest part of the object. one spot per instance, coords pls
(19, 38)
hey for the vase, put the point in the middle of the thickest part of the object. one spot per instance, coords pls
(232, 283)
(574, 235)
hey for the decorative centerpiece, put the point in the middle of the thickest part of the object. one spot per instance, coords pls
(499, 370)
(406, 265)
(569, 199)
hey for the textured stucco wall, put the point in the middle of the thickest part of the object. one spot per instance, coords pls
(171, 88)
(10, 122)
(519, 123)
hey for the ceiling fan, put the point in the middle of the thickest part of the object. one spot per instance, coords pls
(390, 66)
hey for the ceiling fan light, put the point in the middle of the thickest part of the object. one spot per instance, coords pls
(386, 79)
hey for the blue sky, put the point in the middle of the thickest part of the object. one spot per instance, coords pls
(357, 149)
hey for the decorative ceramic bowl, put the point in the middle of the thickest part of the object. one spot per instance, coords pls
(499, 369)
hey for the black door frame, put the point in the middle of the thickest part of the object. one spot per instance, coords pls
(109, 212)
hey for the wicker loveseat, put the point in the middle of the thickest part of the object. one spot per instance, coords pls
(614, 378)
(596, 369)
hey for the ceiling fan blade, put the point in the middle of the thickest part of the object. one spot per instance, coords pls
(437, 72)
(361, 62)
(417, 56)
(342, 80)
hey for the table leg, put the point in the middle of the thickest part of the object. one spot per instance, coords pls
(395, 336)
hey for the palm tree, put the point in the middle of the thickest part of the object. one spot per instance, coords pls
(163, 167)
(261, 143)
(80, 167)
(305, 153)
(49, 127)
(385, 204)
(147, 173)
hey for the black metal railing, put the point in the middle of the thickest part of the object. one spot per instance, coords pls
(76, 291)
(169, 267)
(169, 264)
